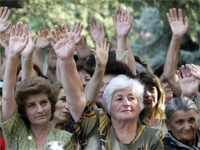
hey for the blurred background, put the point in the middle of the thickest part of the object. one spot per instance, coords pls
(150, 34)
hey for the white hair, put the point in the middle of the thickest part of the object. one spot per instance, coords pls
(122, 82)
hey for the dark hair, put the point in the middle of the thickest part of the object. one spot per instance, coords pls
(33, 86)
(86, 68)
(159, 70)
(115, 67)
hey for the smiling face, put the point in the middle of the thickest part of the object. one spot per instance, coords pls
(38, 109)
(61, 113)
(150, 97)
(124, 105)
(183, 125)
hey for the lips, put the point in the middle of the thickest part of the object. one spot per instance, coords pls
(147, 101)
(41, 116)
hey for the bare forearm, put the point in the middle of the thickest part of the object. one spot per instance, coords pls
(131, 59)
(93, 87)
(37, 58)
(73, 88)
(27, 67)
(121, 43)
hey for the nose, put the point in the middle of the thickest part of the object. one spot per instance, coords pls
(83, 82)
(126, 102)
(187, 126)
(147, 93)
(39, 109)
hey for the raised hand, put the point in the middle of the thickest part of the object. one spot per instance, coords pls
(82, 49)
(4, 42)
(176, 22)
(101, 53)
(42, 41)
(18, 39)
(188, 84)
(96, 31)
(76, 32)
(30, 47)
(194, 70)
(4, 18)
(64, 45)
(122, 22)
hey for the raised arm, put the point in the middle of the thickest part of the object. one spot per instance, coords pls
(178, 30)
(42, 43)
(189, 84)
(18, 41)
(122, 22)
(4, 14)
(64, 48)
(101, 58)
(27, 56)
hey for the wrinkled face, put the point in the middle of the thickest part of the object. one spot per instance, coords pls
(38, 109)
(85, 78)
(124, 105)
(183, 125)
(61, 113)
(167, 88)
(106, 80)
(150, 97)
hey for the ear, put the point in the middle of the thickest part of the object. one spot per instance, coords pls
(168, 124)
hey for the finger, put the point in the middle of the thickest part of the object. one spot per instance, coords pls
(77, 27)
(36, 32)
(73, 27)
(188, 70)
(114, 19)
(54, 36)
(41, 33)
(171, 14)
(12, 31)
(59, 35)
(85, 40)
(25, 32)
(35, 40)
(93, 52)
(64, 31)
(1, 10)
(97, 24)
(186, 22)
(179, 75)
(169, 18)
(122, 16)
(105, 43)
(125, 16)
(20, 29)
(180, 17)
(46, 32)
(17, 29)
(183, 71)
(175, 14)
(7, 15)
(30, 34)
(25, 42)
(80, 30)
(8, 26)
(108, 47)
(4, 12)
(129, 17)
(50, 41)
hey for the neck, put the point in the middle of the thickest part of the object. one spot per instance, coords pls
(149, 113)
(39, 131)
(125, 130)
(55, 124)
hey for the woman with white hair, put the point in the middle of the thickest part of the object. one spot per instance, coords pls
(182, 124)
(115, 129)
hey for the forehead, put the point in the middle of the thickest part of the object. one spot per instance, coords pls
(123, 92)
(36, 98)
(61, 93)
(184, 115)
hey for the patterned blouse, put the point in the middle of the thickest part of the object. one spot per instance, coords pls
(95, 131)
(18, 136)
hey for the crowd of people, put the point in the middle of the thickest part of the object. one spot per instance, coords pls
(105, 98)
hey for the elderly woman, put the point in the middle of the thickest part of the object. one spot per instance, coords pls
(182, 124)
(118, 128)
(154, 102)
(25, 114)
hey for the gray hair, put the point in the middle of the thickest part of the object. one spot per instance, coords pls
(179, 103)
(122, 82)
